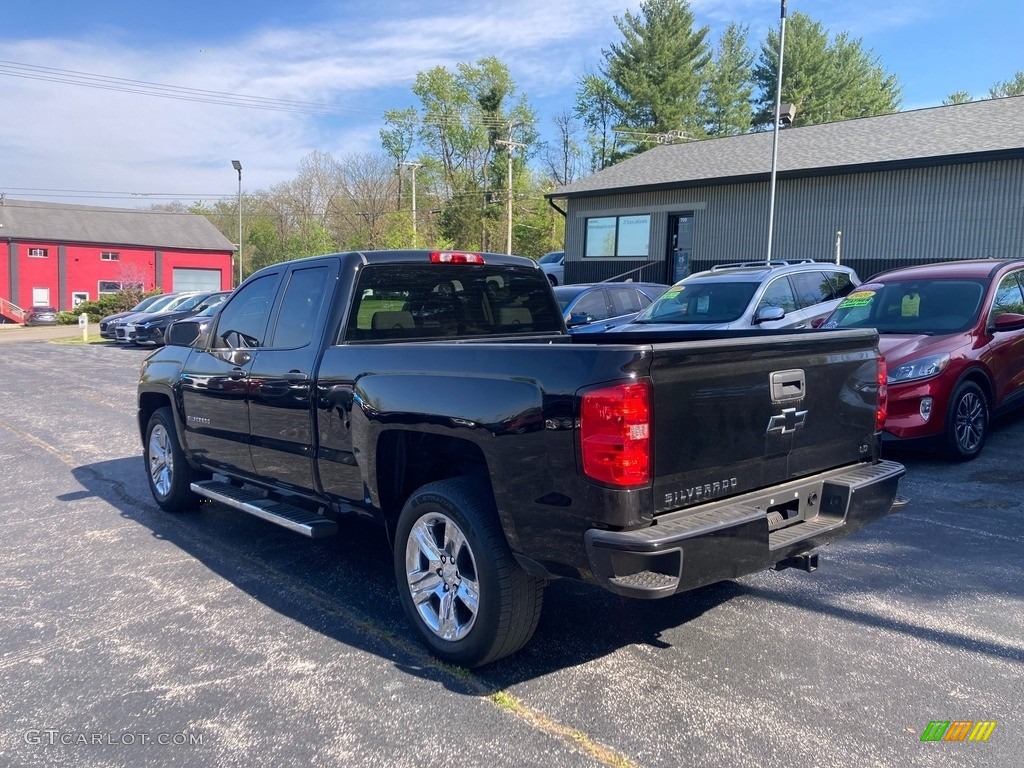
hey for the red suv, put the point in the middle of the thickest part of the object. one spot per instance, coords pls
(952, 335)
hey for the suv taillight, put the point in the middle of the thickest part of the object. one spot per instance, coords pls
(615, 434)
(883, 394)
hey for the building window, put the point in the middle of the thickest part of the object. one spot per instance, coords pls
(77, 297)
(106, 287)
(110, 256)
(38, 253)
(622, 237)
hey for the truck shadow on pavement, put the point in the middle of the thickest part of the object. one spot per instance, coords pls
(344, 588)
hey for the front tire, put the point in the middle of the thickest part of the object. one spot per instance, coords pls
(966, 422)
(458, 582)
(169, 473)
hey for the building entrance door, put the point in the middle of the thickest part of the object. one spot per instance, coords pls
(680, 245)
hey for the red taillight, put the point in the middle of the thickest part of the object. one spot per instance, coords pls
(455, 257)
(615, 434)
(883, 394)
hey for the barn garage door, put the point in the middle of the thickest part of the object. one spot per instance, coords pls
(195, 279)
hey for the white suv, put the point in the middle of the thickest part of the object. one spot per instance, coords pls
(777, 294)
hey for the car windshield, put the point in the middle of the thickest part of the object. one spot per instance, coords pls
(146, 303)
(190, 302)
(551, 258)
(917, 307)
(161, 302)
(700, 303)
(178, 303)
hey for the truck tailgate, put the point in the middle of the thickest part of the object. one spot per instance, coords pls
(733, 415)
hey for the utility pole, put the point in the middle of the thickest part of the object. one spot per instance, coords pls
(509, 145)
(775, 133)
(238, 167)
(414, 166)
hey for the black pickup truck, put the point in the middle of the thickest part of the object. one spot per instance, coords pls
(439, 393)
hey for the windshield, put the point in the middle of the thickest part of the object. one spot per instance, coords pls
(182, 303)
(146, 303)
(551, 258)
(162, 302)
(919, 306)
(700, 303)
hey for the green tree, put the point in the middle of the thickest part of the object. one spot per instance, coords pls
(264, 246)
(596, 107)
(730, 85)
(462, 116)
(1012, 87)
(658, 71)
(827, 81)
(957, 97)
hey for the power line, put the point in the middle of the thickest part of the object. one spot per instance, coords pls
(161, 90)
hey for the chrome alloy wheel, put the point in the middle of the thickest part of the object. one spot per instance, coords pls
(161, 460)
(442, 577)
(970, 421)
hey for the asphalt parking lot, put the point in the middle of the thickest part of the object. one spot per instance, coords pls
(132, 637)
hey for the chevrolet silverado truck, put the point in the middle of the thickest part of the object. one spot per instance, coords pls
(440, 394)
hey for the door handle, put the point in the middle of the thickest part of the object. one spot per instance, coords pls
(295, 377)
(236, 373)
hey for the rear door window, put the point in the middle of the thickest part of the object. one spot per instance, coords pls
(779, 293)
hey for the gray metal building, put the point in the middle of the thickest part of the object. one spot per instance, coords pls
(908, 188)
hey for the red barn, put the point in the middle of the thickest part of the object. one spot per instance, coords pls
(53, 254)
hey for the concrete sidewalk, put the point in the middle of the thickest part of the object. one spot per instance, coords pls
(10, 332)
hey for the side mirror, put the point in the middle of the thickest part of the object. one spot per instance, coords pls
(182, 333)
(817, 322)
(1008, 321)
(578, 318)
(768, 314)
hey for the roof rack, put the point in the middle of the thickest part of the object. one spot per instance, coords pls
(772, 263)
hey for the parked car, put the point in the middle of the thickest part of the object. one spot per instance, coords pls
(152, 329)
(121, 324)
(40, 316)
(147, 304)
(593, 307)
(772, 295)
(552, 264)
(952, 336)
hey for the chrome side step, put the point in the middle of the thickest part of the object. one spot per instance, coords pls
(256, 503)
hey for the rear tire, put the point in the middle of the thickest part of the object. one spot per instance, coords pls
(169, 473)
(458, 582)
(553, 280)
(966, 422)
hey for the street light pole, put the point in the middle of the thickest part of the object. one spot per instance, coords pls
(775, 133)
(238, 167)
(414, 166)
(509, 145)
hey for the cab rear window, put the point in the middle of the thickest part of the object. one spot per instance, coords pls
(405, 302)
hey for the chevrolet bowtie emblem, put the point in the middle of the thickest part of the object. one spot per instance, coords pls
(789, 420)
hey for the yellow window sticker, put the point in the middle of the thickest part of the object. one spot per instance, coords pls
(857, 299)
(911, 305)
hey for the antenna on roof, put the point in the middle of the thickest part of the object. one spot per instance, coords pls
(669, 137)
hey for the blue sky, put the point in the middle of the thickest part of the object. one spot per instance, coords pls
(361, 59)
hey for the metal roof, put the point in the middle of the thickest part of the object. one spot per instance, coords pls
(63, 223)
(977, 130)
